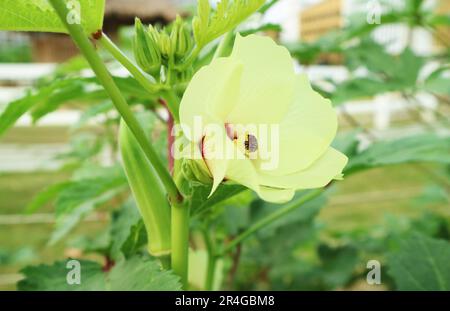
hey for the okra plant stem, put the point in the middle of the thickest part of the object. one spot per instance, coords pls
(211, 267)
(180, 242)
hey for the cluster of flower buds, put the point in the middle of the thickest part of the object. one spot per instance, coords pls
(146, 49)
(154, 47)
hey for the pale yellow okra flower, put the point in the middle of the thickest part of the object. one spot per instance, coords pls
(271, 131)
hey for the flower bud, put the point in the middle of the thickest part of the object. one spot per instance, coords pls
(165, 45)
(196, 170)
(146, 50)
(180, 38)
(201, 21)
(154, 34)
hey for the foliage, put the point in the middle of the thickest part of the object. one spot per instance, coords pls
(23, 15)
(296, 251)
(427, 148)
(421, 264)
(135, 274)
(47, 99)
(208, 26)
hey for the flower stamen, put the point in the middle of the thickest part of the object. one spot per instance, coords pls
(251, 143)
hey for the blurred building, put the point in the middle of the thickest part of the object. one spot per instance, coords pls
(318, 17)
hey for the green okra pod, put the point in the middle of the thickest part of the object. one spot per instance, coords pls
(148, 192)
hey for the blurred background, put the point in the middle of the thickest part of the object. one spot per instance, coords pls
(387, 74)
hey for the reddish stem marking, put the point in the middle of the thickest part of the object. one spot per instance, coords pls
(97, 35)
(170, 138)
(109, 264)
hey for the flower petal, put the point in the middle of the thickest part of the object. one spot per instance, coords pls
(214, 156)
(210, 96)
(318, 175)
(305, 133)
(225, 160)
(267, 84)
(275, 195)
(243, 172)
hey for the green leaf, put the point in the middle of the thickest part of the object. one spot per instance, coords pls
(199, 198)
(402, 69)
(19, 107)
(305, 53)
(347, 143)
(421, 263)
(83, 146)
(337, 264)
(123, 220)
(208, 25)
(20, 256)
(64, 92)
(82, 191)
(39, 15)
(50, 278)
(136, 240)
(387, 72)
(433, 194)
(438, 81)
(98, 244)
(52, 95)
(234, 213)
(360, 88)
(136, 274)
(14, 111)
(413, 6)
(439, 20)
(77, 198)
(92, 112)
(44, 197)
(82, 90)
(141, 275)
(422, 148)
(67, 221)
(277, 246)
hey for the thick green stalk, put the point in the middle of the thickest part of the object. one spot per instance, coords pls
(137, 73)
(271, 218)
(180, 242)
(100, 70)
(210, 272)
(211, 267)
